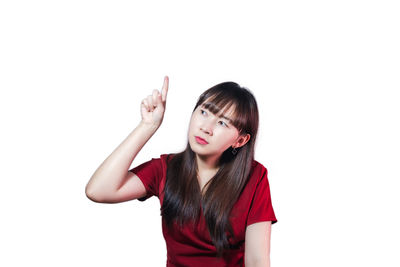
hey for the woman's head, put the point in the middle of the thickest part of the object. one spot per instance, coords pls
(226, 116)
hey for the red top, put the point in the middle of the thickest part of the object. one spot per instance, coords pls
(193, 247)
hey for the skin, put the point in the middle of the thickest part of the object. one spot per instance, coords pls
(219, 134)
(153, 107)
(258, 244)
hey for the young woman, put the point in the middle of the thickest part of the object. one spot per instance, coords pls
(215, 200)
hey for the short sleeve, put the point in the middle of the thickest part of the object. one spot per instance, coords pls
(150, 173)
(261, 207)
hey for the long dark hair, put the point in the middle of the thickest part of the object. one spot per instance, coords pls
(182, 196)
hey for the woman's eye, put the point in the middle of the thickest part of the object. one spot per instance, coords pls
(224, 124)
(202, 112)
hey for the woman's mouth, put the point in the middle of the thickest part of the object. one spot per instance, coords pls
(201, 141)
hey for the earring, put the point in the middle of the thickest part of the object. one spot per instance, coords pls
(234, 151)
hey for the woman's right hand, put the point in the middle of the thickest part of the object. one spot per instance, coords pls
(153, 107)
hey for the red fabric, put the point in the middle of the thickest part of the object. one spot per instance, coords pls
(192, 245)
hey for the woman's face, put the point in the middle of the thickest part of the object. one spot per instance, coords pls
(218, 132)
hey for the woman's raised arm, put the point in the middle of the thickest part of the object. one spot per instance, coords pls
(112, 174)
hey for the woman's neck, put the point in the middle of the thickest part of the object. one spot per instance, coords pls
(207, 164)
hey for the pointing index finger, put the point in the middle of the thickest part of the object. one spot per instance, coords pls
(164, 90)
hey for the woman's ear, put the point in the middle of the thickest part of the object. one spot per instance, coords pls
(242, 140)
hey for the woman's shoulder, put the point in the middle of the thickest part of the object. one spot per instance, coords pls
(257, 164)
(258, 169)
(166, 157)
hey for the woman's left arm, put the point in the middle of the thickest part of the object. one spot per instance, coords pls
(257, 244)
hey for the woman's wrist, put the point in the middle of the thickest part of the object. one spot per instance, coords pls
(149, 126)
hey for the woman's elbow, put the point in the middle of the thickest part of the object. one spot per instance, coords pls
(92, 195)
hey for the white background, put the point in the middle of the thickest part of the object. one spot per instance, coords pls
(326, 78)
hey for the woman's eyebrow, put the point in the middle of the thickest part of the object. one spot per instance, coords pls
(221, 116)
(226, 118)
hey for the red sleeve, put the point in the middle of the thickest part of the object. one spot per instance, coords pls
(261, 207)
(150, 173)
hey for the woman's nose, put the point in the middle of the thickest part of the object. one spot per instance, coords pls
(207, 127)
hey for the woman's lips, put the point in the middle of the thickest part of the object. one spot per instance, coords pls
(201, 140)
